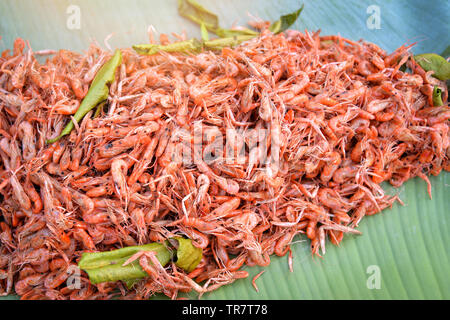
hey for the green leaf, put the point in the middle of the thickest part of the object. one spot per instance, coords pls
(193, 11)
(437, 96)
(285, 21)
(226, 33)
(192, 45)
(106, 74)
(188, 256)
(204, 32)
(436, 63)
(98, 92)
(108, 266)
(218, 44)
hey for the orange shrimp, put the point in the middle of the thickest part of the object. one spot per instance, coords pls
(225, 208)
(329, 170)
(119, 169)
(34, 197)
(26, 284)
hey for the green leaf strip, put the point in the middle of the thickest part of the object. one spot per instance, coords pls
(98, 92)
(192, 45)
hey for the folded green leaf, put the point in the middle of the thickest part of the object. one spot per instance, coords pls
(195, 12)
(181, 46)
(436, 63)
(192, 45)
(188, 256)
(98, 92)
(285, 21)
(220, 43)
(437, 96)
(108, 266)
(226, 33)
(204, 32)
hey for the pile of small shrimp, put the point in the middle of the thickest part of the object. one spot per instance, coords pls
(341, 117)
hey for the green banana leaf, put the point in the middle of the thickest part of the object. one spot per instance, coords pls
(405, 248)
